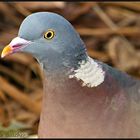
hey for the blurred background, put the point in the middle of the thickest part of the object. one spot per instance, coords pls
(111, 32)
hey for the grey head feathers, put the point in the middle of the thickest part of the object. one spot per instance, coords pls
(65, 49)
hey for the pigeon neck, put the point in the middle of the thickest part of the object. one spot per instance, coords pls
(65, 64)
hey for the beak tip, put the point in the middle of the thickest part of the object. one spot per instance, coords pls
(2, 55)
(6, 51)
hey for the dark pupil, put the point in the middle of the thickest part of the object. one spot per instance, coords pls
(49, 35)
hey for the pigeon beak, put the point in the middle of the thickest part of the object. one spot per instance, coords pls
(15, 45)
(6, 51)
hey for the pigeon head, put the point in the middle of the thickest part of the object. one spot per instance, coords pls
(50, 38)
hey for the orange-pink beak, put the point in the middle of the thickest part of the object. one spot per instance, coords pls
(15, 45)
(6, 51)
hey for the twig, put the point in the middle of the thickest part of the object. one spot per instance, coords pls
(20, 97)
(117, 11)
(84, 9)
(25, 12)
(23, 116)
(127, 31)
(9, 13)
(131, 5)
(98, 55)
(2, 96)
(14, 75)
(109, 22)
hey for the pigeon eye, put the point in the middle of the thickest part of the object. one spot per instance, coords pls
(49, 34)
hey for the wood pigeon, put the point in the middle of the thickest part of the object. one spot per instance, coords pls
(83, 97)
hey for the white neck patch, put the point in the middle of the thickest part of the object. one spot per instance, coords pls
(90, 72)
